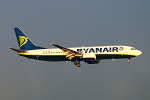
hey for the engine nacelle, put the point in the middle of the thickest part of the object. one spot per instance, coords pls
(92, 61)
(90, 58)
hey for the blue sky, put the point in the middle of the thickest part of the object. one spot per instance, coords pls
(75, 23)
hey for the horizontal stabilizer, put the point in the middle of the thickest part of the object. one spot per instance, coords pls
(17, 50)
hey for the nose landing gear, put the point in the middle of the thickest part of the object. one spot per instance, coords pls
(128, 61)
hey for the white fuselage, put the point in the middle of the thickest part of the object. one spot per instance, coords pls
(100, 52)
(90, 55)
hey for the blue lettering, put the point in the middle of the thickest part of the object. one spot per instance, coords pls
(91, 50)
(110, 49)
(79, 50)
(115, 49)
(98, 50)
(105, 49)
(86, 50)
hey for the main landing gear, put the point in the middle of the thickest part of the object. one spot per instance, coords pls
(77, 63)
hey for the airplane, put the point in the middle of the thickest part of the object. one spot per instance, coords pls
(90, 55)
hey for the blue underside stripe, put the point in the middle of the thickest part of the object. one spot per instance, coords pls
(63, 57)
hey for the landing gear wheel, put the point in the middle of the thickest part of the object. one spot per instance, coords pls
(128, 61)
(78, 65)
(75, 62)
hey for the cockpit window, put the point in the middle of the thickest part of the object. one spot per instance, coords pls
(133, 49)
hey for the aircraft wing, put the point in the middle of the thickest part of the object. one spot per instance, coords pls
(70, 53)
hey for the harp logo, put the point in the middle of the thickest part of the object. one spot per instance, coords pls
(23, 40)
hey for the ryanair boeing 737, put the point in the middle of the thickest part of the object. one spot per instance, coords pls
(90, 55)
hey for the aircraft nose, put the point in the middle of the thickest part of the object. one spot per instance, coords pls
(139, 52)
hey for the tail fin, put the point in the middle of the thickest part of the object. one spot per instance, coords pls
(24, 42)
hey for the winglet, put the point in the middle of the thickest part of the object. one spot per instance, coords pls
(53, 44)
